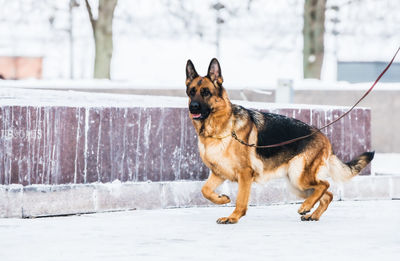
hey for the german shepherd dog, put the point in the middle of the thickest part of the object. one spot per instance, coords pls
(303, 163)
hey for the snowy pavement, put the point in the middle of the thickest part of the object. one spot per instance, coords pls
(349, 230)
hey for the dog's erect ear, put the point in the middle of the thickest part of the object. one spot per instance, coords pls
(190, 72)
(214, 72)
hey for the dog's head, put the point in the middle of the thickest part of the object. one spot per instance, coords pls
(206, 94)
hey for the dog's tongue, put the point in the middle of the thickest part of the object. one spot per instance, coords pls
(196, 115)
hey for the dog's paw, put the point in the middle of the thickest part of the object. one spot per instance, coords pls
(303, 210)
(224, 199)
(308, 217)
(227, 220)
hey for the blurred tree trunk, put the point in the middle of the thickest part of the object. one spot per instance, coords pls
(102, 32)
(313, 37)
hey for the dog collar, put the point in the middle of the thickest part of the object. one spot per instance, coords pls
(220, 138)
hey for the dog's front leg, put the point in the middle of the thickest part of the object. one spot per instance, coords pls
(245, 179)
(209, 187)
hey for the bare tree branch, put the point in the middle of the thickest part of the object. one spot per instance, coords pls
(91, 18)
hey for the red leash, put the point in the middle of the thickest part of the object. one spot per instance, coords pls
(325, 126)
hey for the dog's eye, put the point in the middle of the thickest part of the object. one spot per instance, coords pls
(192, 92)
(205, 93)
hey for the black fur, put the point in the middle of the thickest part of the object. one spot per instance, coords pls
(369, 155)
(277, 128)
(214, 69)
(190, 70)
(366, 156)
(190, 73)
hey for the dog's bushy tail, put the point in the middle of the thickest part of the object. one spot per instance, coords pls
(340, 171)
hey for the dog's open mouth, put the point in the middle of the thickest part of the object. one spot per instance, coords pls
(196, 115)
(199, 115)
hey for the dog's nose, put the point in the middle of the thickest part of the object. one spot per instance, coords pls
(194, 106)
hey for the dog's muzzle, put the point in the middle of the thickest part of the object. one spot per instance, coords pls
(198, 111)
(195, 110)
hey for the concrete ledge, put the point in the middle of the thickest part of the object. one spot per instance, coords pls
(11, 201)
(395, 187)
(57, 200)
(45, 200)
(375, 187)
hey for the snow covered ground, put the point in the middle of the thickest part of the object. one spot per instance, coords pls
(349, 230)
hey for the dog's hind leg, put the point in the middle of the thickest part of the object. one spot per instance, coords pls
(324, 202)
(245, 179)
(312, 170)
(319, 187)
(209, 187)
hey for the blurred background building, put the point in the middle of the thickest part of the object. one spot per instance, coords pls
(20, 67)
(258, 41)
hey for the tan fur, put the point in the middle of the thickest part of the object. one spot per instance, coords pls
(230, 160)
